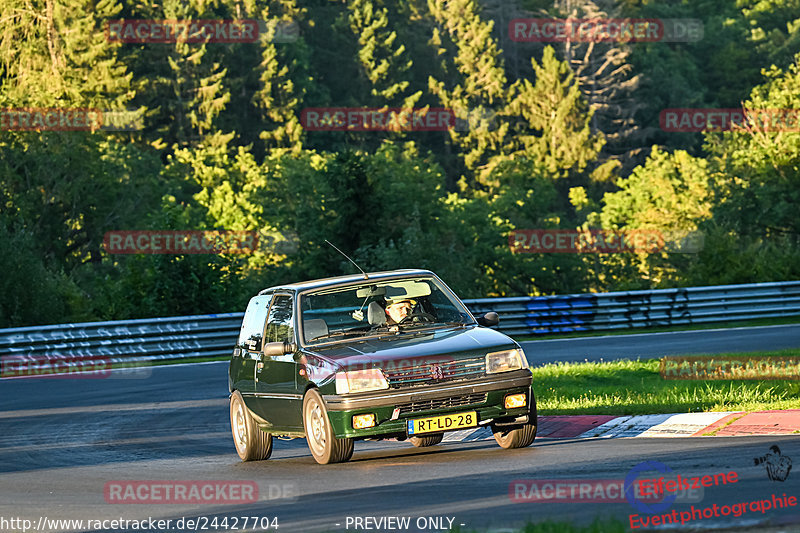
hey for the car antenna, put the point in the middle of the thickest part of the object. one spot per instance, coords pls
(345, 255)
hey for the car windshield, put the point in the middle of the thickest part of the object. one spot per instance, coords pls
(379, 307)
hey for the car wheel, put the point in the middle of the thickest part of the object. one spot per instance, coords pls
(521, 436)
(423, 442)
(324, 445)
(252, 444)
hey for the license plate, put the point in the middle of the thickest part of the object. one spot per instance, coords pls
(436, 424)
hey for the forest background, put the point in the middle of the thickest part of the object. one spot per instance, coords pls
(557, 136)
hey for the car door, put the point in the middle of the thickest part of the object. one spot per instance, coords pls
(247, 353)
(278, 401)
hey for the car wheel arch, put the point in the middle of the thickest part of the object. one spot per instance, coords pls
(309, 387)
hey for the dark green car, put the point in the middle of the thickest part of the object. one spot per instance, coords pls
(374, 356)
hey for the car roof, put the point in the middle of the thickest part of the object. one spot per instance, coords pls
(351, 278)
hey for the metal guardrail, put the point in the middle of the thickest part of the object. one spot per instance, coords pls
(207, 336)
(640, 309)
(142, 340)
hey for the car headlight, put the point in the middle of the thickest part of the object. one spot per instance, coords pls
(505, 361)
(360, 381)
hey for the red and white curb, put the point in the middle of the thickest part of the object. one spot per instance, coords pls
(724, 423)
(667, 425)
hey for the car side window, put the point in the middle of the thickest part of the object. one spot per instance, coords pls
(279, 323)
(250, 335)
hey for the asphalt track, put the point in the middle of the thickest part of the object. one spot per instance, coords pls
(649, 345)
(62, 440)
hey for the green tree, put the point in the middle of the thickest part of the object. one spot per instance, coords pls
(182, 84)
(475, 81)
(607, 79)
(554, 121)
(384, 62)
(757, 187)
(758, 183)
(284, 80)
(530, 199)
(429, 228)
(774, 29)
(56, 54)
(61, 191)
(669, 192)
(32, 292)
(670, 195)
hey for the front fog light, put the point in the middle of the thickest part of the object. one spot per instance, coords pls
(363, 421)
(515, 400)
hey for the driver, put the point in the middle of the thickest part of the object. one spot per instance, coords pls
(397, 311)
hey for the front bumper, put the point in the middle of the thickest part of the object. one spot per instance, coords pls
(485, 396)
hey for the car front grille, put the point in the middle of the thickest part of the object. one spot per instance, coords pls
(441, 403)
(428, 373)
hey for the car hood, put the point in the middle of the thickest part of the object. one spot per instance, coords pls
(444, 343)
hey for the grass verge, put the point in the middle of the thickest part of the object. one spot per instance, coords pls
(636, 387)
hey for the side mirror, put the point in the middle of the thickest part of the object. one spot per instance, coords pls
(279, 348)
(489, 319)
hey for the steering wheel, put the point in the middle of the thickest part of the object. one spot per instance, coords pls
(427, 317)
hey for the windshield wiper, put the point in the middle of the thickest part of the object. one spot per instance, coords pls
(417, 326)
(343, 333)
(437, 323)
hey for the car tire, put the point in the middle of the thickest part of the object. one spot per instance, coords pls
(424, 442)
(251, 443)
(521, 436)
(324, 445)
